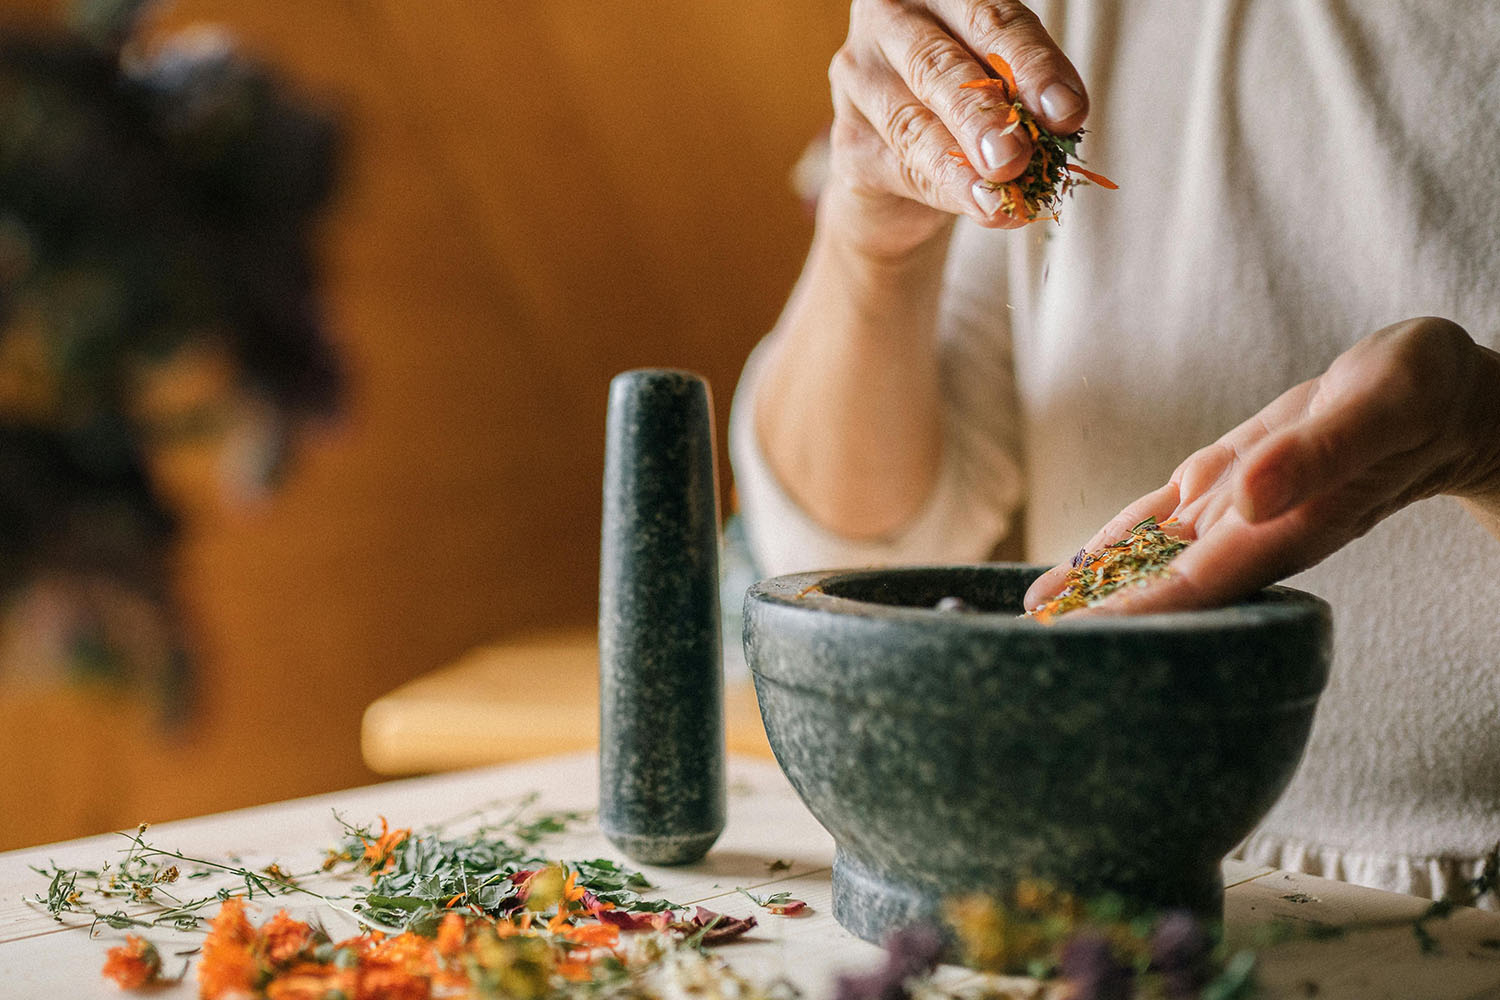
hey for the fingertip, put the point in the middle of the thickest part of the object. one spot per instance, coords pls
(1064, 106)
(986, 198)
(1004, 153)
(989, 202)
(1043, 588)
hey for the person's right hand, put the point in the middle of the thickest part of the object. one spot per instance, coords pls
(900, 107)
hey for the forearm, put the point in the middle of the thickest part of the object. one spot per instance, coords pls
(849, 413)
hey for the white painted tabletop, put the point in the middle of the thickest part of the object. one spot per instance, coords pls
(42, 958)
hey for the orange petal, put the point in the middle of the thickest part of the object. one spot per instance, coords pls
(1003, 68)
(984, 81)
(1098, 179)
(958, 155)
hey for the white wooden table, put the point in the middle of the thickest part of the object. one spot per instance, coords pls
(41, 958)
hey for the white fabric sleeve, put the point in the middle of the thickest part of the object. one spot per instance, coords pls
(969, 510)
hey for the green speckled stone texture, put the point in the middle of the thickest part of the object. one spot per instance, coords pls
(661, 684)
(958, 752)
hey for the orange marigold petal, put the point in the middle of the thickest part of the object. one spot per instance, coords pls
(1003, 68)
(559, 919)
(572, 891)
(594, 935)
(1098, 179)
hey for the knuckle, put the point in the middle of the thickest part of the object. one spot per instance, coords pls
(906, 126)
(841, 69)
(932, 62)
(1426, 361)
(1427, 375)
(1028, 47)
(989, 20)
(846, 132)
(1434, 344)
(925, 165)
(917, 183)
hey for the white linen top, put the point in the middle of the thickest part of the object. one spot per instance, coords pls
(1293, 176)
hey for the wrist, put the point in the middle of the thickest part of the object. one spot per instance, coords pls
(889, 236)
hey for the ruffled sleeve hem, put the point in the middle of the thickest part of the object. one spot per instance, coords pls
(1431, 877)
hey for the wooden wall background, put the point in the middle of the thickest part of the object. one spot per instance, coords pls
(541, 193)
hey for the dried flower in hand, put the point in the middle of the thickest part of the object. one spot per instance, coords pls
(1131, 560)
(1038, 192)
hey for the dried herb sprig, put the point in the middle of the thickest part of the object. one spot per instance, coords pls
(1038, 192)
(1132, 560)
(143, 875)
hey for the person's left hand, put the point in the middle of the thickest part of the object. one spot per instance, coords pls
(1407, 413)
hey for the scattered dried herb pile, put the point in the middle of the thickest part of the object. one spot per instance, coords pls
(480, 916)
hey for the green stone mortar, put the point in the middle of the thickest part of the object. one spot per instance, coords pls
(950, 753)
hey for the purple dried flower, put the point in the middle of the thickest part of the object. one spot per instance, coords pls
(1093, 971)
(912, 951)
(1181, 949)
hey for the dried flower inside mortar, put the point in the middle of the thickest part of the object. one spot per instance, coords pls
(1135, 559)
(1038, 192)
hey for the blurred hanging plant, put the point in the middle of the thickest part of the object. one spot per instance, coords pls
(158, 307)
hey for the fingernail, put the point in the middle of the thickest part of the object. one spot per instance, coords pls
(1000, 149)
(986, 198)
(1061, 102)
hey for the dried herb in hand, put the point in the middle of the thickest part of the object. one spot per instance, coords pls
(1038, 192)
(1132, 560)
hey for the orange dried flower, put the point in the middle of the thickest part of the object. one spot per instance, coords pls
(311, 981)
(380, 853)
(450, 934)
(133, 964)
(406, 950)
(381, 981)
(227, 967)
(282, 939)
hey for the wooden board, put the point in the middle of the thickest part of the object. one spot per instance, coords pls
(531, 697)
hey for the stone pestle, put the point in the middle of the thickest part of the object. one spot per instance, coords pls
(661, 713)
